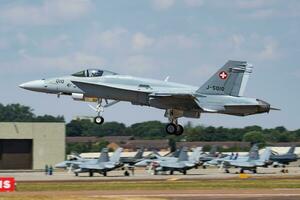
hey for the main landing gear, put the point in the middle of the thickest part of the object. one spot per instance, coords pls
(173, 128)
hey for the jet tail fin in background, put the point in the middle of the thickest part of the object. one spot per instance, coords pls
(253, 153)
(231, 79)
(103, 156)
(139, 154)
(116, 156)
(292, 150)
(265, 156)
(183, 156)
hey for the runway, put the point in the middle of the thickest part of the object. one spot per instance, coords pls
(263, 194)
(210, 184)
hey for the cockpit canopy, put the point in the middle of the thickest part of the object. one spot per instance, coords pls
(93, 73)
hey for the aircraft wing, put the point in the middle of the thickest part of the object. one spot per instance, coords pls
(176, 100)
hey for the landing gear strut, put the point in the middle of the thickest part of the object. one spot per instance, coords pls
(173, 128)
(99, 109)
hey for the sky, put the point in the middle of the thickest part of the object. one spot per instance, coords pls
(187, 40)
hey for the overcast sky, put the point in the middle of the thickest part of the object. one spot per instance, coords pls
(187, 40)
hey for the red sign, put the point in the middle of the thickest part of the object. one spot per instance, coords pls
(223, 75)
(7, 184)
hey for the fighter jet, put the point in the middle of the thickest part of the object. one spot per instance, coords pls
(284, 159)
(222, 93)
(103, 165)
(75, 161)
(253, 154)
(130, 161)
(182, 164)
(251, 163)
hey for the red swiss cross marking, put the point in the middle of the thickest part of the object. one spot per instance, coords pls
(223, 75)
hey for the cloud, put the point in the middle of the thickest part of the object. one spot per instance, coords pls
(252, 4)
(194, 3)
(178, 41)
(139, 64)
(263, 14)
(66, 63)
(108, 39)
(237, 40)
(141, 41)
(48, 13)
(55, 43)
(162, 4)
(270, 50)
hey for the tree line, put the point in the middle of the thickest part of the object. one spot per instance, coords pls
(153, 129)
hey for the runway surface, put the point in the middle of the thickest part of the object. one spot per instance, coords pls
(207, 176)
(263, 194)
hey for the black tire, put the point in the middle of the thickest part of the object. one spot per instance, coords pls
(76, 174)
(99, 120)
(171, 129)
(184, 172)
(180, 130)
(254, 171)
(104, 173)
(91, 174)
(242, 171)
(171, 172)
(227, 171)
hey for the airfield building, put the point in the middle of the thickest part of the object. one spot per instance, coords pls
(31, 145)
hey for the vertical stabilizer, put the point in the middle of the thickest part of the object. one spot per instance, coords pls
(231, 79)
(253, 153)
(116, 156)
(183, 156)
(265, 156)
(139, 154)
(103, 156)
(292, 150)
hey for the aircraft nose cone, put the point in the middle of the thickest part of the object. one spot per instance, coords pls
(33, 85)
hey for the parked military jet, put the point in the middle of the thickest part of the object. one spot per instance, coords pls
(75, 161)
(130, 161)
(103, 165)
(284, 159)
(182, 164)
(251, 163)
(253, 154)
(222, 93)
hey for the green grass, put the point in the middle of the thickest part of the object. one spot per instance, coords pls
(161, 185)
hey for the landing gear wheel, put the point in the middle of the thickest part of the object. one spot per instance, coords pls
(91, 174)
(104, 173)
(76, 174)
(99, 120)
(254, 171)
(171, 172)
(171, 129)
(179, 130)
(241, 171)
(184, 172)
(227, 171)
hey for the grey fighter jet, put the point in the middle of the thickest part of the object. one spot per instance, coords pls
(284, 159)
(103, 165)
(222, 93)
(251, 163)
(182, 164)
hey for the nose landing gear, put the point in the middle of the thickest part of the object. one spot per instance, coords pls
(99, 110)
